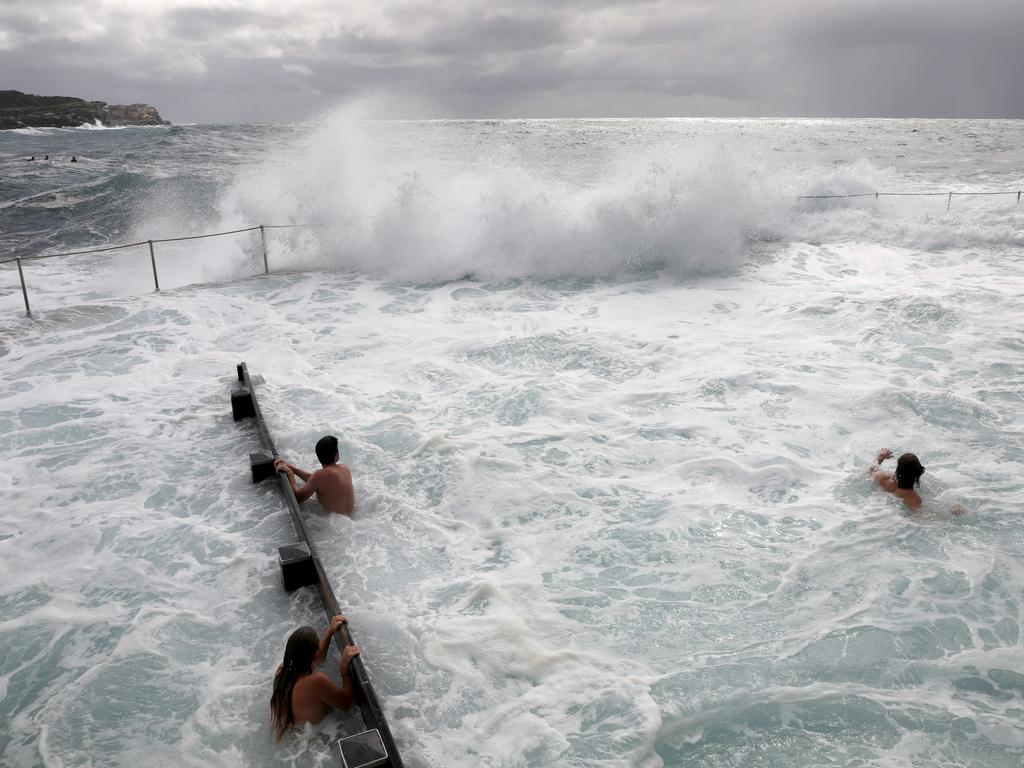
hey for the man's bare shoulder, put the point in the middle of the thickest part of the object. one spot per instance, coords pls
(338, 471)
(885, 480)
(911, 498)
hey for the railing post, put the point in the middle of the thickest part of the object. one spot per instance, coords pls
(152, 258)
(949, 201)
(263, 239)
(24, 290)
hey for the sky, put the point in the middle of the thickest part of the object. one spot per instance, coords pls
(283, 60)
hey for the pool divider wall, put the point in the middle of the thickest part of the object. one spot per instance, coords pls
(300, 563)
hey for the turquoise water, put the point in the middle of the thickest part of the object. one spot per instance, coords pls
(609, 444)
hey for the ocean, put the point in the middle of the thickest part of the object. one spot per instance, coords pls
(609, 391)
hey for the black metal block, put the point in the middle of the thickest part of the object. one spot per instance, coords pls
(262, 466)
(363, 750)
(241, 404)
(297, 568)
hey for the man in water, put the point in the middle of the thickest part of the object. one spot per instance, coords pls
(903, 480)
(332, 483)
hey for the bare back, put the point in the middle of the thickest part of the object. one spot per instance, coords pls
(334, 490)
(307, 704)
(909, 495)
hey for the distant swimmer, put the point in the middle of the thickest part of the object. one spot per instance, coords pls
(74, 159)
(46, 158)
(302, 695)
(29, 160)
(332, 484)
(903, 481)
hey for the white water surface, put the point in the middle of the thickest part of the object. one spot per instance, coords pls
(609, 394)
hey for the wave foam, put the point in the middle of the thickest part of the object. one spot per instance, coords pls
(426, 221)
(430, 202)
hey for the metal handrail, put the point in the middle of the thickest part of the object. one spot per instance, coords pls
(909, 194)
(152, 253)
(876, 195)
(73, 253)
(155, 240)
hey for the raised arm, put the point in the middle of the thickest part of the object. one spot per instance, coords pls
(300, 473)
(876, 466)
(308, 489)
(884, 479)
(329, 693)
(286, 466)
(325, 642)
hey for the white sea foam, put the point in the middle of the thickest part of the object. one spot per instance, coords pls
(421, 202)
(412, 213)
(605, 522)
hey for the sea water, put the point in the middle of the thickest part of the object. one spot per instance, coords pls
(609, 392)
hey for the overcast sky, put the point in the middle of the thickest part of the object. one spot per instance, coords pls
(271, 60)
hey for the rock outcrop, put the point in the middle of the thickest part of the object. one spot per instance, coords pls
(25, 110)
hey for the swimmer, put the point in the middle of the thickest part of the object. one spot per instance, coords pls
(332, 484)
(302, 695)
(903, 481)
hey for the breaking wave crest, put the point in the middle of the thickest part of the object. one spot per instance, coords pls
(408, 201)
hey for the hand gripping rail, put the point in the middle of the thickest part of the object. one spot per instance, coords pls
(302, 566)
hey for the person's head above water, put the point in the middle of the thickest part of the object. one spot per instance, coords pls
(301, 649)
(299, 654)
(327, 449)
(908, 471)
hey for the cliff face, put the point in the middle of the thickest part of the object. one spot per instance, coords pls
(25, 110)
(133, 114)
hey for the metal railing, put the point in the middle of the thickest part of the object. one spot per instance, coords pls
(876, 195)
(263, 235)
(152, 253)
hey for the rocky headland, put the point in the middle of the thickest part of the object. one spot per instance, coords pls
(26, 110)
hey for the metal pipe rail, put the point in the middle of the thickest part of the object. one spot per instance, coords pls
(369, 706)
(876, 195)
(20, 260)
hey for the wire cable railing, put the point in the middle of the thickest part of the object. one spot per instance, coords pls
(876, 195)
(20, 260)
(152, 252)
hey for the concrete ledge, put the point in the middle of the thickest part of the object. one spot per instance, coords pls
(301, 566)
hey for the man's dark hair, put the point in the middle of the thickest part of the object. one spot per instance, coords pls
(908, 471)
(327, 449)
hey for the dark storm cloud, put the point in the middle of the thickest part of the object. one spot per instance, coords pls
(452, 39)
(500, 33)
(930, 59)
(281, 59)
(874, 24)
(194, 23)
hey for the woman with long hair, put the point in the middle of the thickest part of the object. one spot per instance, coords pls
(903, 481)
(302, 695)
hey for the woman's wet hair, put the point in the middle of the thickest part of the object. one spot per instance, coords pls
(299, 654)
(327, 449)
(908, 471)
